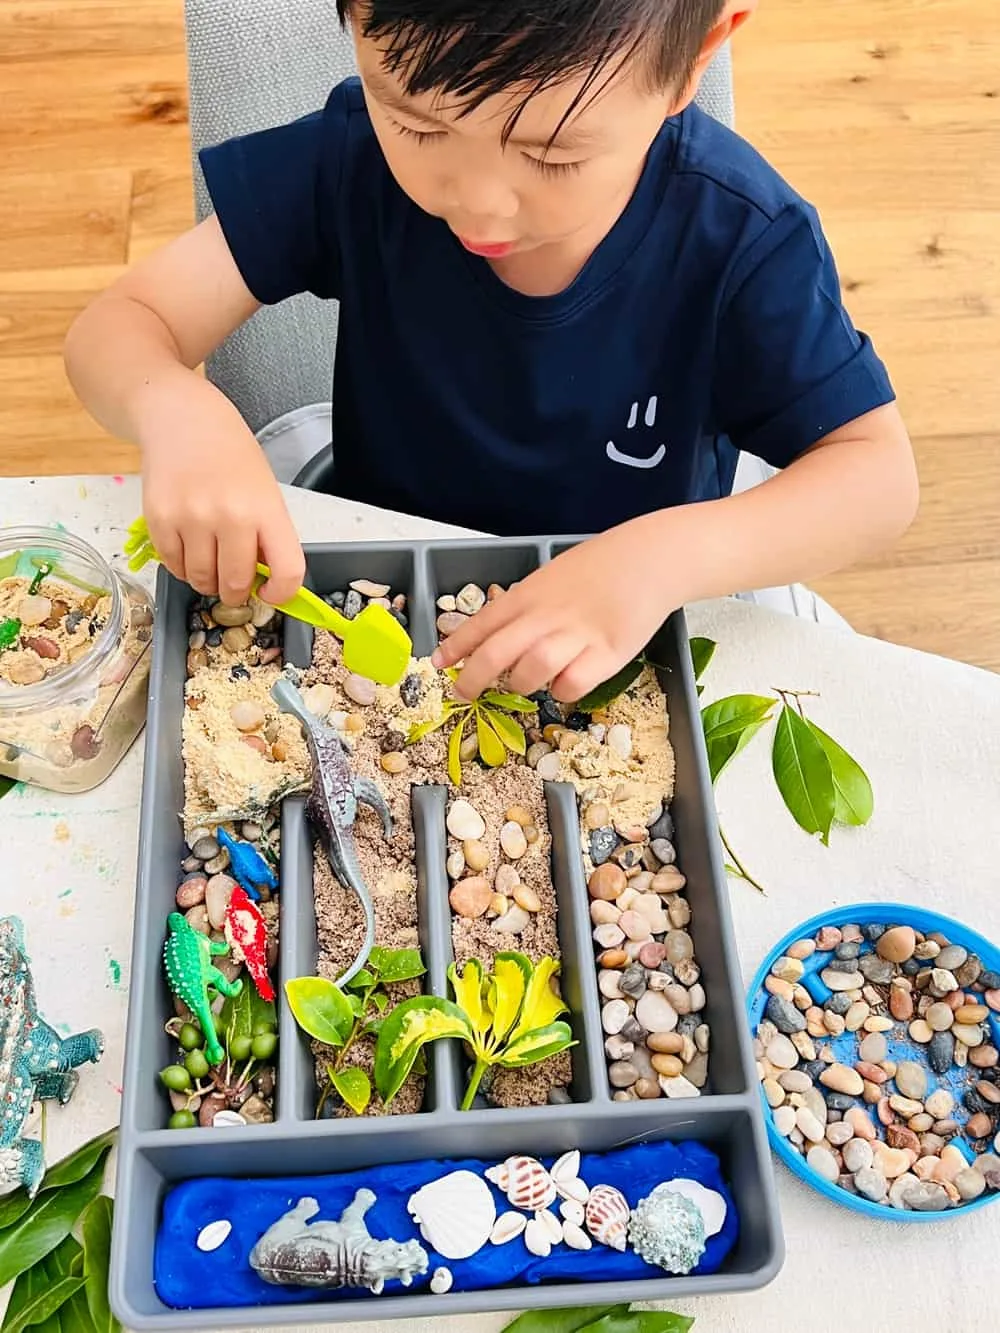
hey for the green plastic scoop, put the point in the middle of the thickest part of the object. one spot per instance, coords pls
(375, 644)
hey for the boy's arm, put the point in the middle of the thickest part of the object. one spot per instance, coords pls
(575, 621)
(211, 501)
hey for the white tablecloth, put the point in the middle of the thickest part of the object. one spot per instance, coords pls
(925, 728)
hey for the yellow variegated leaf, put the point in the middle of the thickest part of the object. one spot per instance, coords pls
(531, 1047)
(454, 755)
(425, 1025)
(511, 974)
(451, 673)
(509, 731)
(406, 1030)
(468, 988)
(513, 703)
(491, 747)
(541, 1003)
(421, 729)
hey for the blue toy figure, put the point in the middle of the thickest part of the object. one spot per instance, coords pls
(246, 865)
(34, 1062)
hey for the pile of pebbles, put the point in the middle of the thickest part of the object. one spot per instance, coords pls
(904, 1108)
(504, 898)
(352, 600)
(656, 1037)
(248, 635)
(455, 610)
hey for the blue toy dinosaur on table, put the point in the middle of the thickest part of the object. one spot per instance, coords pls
(35, 1062)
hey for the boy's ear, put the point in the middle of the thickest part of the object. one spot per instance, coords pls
(733, 16)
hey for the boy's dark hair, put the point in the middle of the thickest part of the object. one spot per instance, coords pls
(474, 49)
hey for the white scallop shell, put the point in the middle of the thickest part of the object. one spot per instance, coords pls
(566, 1168)
(507, 1227)
(225, 1119)
(441, 1281)
(525, 1181)
(607, 1216)
(536, 1238)
(572, 1211)
(574, 1189)
(575, 1237)
(709, 1203)
(456, 1214)
(213, 1235)
(551, 1224)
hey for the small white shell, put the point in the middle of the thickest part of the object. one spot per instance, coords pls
(441, 1281)
(709, 1203)
(551, 1224)
(574, 1189)
(224, 1119)
(572, 1211)
(507, 1227)
(536, 1238)
(525, 1181)
(213, 1235)
(575, 1237)
(566, 1168)
(456, 1214)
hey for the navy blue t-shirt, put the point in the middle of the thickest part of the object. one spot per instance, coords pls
(707, 321)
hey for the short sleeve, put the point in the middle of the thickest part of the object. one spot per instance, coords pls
(276, 195)
(790, 366)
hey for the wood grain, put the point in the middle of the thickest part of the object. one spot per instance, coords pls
(884, 113)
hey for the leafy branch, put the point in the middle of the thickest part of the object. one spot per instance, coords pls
(600, 1319)
(492, 725)
(337, 1018)
(60, 1281)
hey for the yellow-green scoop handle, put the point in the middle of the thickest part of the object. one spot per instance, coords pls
(375, 643)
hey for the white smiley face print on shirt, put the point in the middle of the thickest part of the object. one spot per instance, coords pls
(639, 459)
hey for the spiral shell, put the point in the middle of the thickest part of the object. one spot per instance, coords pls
(607, 1216)
(525, 1181)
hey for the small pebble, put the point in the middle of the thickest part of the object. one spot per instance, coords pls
(901, 1004)
(952, 957)
(513, 921)
(527, 898)
(857, 1155)
(827, 938)
(679, 1087)
(614, 1015)
(984, 1057)
(978, 1126)
(782, 1054)
(441, 1281)
(839, 1078)
(897, 944)
(470, 600)
(471, 897)
(871, 1184)
(464, 822)
(839, 981)
(785, 1017)
(921, 1031)
(622, 1074)
(940, 1016)
(823, 1162)
(360, 690)
(619, 741)
(926, 1196)
(784, 1120)
(513, 841)
(394, 762)
(655, 1013)
(839, 1133)
(940, 1050)
(861, 1123)
(811, 1128)
(911, 1080)
(450, 621)
(235, 640)
(873, 1048)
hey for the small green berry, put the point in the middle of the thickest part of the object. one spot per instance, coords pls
(263, 1046)
(197, 1064)
(190, 1037)
(239, 1048)
(176, 1078)
(261, 1026)
(182, 1120)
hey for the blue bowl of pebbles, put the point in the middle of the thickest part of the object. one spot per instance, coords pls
(877, 1036)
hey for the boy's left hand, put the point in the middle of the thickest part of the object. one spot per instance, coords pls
(572, 623)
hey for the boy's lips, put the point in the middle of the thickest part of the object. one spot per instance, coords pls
(494, 251)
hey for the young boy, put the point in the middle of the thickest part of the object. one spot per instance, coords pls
(568, 299)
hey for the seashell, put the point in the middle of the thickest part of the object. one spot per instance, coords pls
(572, 1211)
(456, 1214)
(575, 1189)
(525, 1182)
(551, 1224)
(575, 1237)
(607, 1216)
(536, 1238)
(567, 1167)
(225, 1119)
(709, 1203)
(441, 1281)
(507, 1227)
(666, 1229)
(213, 1235)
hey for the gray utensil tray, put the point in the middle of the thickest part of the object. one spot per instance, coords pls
(727, 1117)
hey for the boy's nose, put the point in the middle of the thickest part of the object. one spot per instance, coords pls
(482, 196)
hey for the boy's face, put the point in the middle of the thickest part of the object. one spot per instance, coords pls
(500, 199)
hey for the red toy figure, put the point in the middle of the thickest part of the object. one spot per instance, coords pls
(247, 937)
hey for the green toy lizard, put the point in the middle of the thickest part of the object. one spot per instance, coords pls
(187, 958)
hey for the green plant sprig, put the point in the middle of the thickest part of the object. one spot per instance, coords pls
(338, 1017)
(506, 1016)
(600, 1319)
(495, 729)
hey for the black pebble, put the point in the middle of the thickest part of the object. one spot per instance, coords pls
(663, 828)
(398, 615)
(603, 842)
(873, 931)
(213, 637)
(813, 1068)
(95, 627)
(337, 598)
(838, 1003)
(633, 1031)
(549, 712)
(687, 1025)
(411, 691)
(352, 604)
(577, 721)
(784, 1015)
(392, 741)
(911, 967)
(633, 980)
(845, 951)
(667, 969)
(195, 621)
(239, 672)
(839, 1101)
(975, 1103)
(989, 980)
(842, 965)
(941, 1052)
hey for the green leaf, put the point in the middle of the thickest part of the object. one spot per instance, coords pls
(421, 729)
(397, 964)
(513, 703)
(411, 1024)
(640, 1321)
(702, 652)
(320, 1008)
(381, 1001)
(361, 980)
(96, 1232)
(853, 798)
(721, 753)
(73, 1317)
(468, 988)
(6, 785)
(48, 1221)
(803, 774)
(508, 985)
(560, 1321)
(40, 1290)
(357, 1005)
(242, 1012)
(79, 1163)
(13, 1206)
(606, 693)
(355, 1088)
(509, 731)
(454, 755)
(491, 747)
(731, 715)
(535, 1046)
(542, 1005)
(373, 1028)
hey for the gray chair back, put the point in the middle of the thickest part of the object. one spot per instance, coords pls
(257, 63)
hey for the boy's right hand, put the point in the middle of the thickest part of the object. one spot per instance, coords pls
(210, 500)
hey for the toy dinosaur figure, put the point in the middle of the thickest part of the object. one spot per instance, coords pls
(246, 932)
(246, 865)
(334, 1254)
(187, 959)
(333, 805)
(34, 1062)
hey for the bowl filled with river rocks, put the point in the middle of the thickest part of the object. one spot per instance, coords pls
(877, 1037)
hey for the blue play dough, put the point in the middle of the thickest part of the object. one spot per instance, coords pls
(188, 1279)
